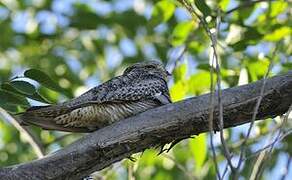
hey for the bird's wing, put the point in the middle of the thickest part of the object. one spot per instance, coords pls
(141, 90)
(121, 90)
(111, 92)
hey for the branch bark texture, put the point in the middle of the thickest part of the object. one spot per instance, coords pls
(161, 125)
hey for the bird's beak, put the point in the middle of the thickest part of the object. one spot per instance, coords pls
(168, 73)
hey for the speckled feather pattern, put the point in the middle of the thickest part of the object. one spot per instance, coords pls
(97, 116)
(141, 87)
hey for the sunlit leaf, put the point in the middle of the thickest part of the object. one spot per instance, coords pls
(181, 32)
(147, 158)
(198, 147)
(223, 4)
(195, 47)
(179, 72)
(278, 34)
(278, 7)
(50, 95)
(162, 12)
(257, 69)
(200, 82)
(6, 132)
(178, 91)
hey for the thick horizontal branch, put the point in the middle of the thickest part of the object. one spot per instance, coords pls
(157, 126)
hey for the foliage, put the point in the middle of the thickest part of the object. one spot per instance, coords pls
(51, 51)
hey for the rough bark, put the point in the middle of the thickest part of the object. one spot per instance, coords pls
(165, 124)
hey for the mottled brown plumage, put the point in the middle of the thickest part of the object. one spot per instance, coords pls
(142, 86)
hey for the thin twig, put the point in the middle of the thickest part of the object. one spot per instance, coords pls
(257, 166)
(266, 153)
(176, 61)
(264, 156)
(256, 108)
(32, 139)
(253, 139)
(225, 170)
(221, 121)
(215, 55)
(277, 139)
(210, 120)
(194, 14)
(181, 53)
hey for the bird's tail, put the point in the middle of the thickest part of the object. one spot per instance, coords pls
(44, 117)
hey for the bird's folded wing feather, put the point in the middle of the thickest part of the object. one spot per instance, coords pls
(114, 91)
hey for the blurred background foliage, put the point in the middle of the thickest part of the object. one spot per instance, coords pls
(51, 51)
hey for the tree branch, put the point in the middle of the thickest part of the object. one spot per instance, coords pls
(155, 127)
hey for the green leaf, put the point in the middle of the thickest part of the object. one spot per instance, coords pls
(203, 7)
(257, 69)
(278, 34)
(181, 32)
(204, 66)
(195, 47)
(7, 99)
(11, 108)
(147, 160)
(178, 91)
(198, 147)
(249, 37)
(223, 4)
(24, 87)
(36, 96)
(278, 7)
(252, 34)
(162, 12)
(200, 82)
(180, 72)
(240, 45)
(43, 79)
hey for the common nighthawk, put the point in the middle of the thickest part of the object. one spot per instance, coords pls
(142, 86)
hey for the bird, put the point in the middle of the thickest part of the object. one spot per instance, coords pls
(141, 87)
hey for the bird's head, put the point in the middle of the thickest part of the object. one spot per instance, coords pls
(148, 67)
